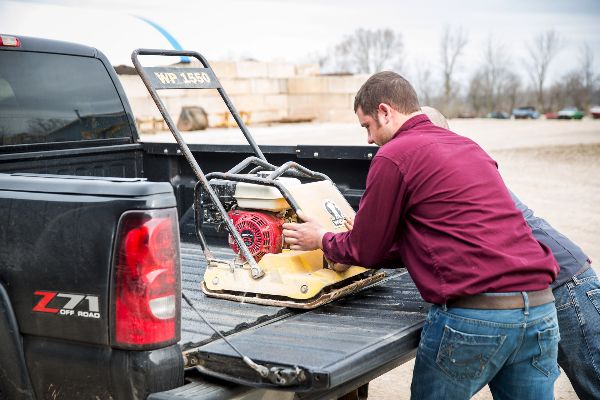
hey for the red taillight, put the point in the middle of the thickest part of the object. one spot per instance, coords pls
(147, 304)
(9, 41)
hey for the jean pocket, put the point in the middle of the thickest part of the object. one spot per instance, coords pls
(464, 355)
(594, 296)
(545, 360)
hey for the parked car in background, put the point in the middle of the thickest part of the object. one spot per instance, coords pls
(570, 113)
(551, 115)
(595, 112)
(498, 115)
(527, 112)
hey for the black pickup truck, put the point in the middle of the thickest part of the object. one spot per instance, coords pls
(97, 244)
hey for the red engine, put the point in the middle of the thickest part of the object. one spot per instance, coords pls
(260, 231)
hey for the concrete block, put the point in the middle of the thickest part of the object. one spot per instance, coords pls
(175, 93)
(346, 115)
(202, 93)
(319, 101)
(267, 86)
(307, 85)
(249, 102)
(280, 70)
(251, 69)
(307, 69)
(144, 107)
(310, 113)
(133, 86)
(224, 69)
(174, 105)
(345, 84)
(234, 86)
(210, 103)
(326, 84)
(276, 102)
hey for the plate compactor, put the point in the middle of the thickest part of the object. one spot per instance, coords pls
(252, 206)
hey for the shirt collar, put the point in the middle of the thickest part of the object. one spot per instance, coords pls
(419, 119)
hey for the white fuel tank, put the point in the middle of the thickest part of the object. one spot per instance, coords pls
(259, 197)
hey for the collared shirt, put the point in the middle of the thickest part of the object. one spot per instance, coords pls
(569, 256)
(435, 202)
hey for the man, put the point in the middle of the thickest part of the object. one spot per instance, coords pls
(577, 293)
(435, 201)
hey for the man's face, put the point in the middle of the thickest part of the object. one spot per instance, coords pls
(376, 129)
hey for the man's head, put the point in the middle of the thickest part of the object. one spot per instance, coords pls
(383, 103)
(436, 117)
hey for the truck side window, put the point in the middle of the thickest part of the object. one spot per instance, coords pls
(49, 98)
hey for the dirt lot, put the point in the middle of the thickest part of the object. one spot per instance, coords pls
(553, 166)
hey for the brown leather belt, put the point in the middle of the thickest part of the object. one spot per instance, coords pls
(499, 301)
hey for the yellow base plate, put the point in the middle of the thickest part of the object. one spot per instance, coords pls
(292, 279)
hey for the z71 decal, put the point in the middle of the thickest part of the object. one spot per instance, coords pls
(69, 304)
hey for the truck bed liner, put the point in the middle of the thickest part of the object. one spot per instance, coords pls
(333, 344)
(227, 316)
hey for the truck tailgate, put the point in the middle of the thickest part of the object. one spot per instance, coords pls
(371, 331)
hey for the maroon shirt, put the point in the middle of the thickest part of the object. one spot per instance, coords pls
(435, 202)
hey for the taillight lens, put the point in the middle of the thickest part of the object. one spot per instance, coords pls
(146, 300)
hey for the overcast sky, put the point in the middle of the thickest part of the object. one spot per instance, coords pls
(296, 30)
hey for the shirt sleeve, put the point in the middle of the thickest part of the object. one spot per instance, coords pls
(377, 222)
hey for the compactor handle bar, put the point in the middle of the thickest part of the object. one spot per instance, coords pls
(194, 78)
(186, 78)
(158, 78)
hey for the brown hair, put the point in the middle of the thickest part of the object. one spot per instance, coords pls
(386, 87)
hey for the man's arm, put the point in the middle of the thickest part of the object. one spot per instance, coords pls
(377, 221)
(375, 226)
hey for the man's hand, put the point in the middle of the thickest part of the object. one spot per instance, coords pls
(304, 236)
(349, 223)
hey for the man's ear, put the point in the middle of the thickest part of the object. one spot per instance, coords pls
(385, 110)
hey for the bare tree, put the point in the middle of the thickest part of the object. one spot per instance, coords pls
(475, 93)
(588, 79)
(493, 72)
(542, 50)
(369, 51)
(452, 45)
(511, 89)
(493, 87)
(424, 85)
(576, 87)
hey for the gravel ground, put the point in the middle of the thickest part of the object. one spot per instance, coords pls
(553, 166)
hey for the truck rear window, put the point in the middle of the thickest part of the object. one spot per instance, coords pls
(46, 98)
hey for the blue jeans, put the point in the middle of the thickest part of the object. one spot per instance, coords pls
(461, 350)
(578, 310)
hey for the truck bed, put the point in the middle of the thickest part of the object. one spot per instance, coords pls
(365, 334)
(227, 316)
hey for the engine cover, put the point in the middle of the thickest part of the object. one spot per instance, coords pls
(260, 231)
